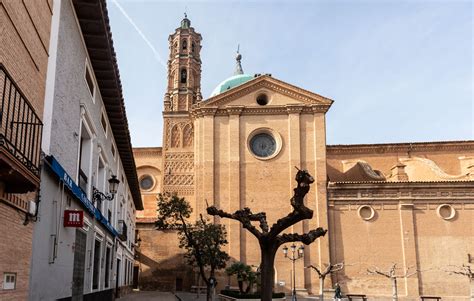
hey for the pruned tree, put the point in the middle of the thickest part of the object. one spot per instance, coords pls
(323, 272)
(391, 274)
(466, 271)
(202, 241)
(270, 239)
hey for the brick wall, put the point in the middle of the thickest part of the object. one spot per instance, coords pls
(24, 49)
(15, 251)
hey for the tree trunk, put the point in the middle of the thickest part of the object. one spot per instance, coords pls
(267, 272)
(394, 289)
(208, 292)
(321, 288)
(471, 284)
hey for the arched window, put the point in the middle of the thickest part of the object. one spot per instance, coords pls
(184, 76)
(185, 45)
(188, 135)
(175, 136)
(192, 47)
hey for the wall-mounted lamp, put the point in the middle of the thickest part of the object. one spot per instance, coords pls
(98, 196)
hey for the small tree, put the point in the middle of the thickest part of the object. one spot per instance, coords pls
(202, 241)
(393, 276)
(322, 273)
(244, 273)
(271, 238)
(466, 271)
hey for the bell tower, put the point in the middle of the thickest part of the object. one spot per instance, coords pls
(184, 69)
(183, 90)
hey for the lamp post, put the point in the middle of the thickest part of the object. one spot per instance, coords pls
(294, 257)
(98, 196)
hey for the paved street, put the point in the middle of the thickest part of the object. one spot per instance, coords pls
(166, 296)
(161, 296)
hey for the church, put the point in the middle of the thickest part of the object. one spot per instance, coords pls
(404, 204)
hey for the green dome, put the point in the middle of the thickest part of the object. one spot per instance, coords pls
(231, 82)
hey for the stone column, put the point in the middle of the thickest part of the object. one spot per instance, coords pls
(208, 157)
(407, 226)
(236, 234)
(320, 218)
(294, 150)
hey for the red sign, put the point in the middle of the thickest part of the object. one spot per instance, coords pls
(73, 218)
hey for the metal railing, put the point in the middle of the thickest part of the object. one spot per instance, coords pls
(122, 230)
(20, 127)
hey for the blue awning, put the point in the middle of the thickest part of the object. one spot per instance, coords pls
(79, 194)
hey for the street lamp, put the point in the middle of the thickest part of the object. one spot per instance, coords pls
(294, 257)
(98, 196)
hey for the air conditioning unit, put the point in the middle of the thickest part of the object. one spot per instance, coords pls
(32, 207)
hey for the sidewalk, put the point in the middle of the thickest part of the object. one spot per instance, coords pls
(149, 296)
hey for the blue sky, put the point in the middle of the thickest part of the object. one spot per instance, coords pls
(398, 71)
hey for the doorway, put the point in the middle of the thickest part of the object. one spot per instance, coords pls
(135, 277)
(78, 268)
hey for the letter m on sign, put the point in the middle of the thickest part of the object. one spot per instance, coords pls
(73, 218)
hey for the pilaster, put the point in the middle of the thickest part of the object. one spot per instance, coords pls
(235, 232)
(407, 227)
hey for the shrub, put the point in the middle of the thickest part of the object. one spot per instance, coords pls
(236, 294)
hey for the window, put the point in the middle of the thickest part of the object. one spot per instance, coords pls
(104, 123)
(84, 159)
(188, 135)
(96, 269)
(147, 182)
(107, 267)
(262, 99)
(112, 150)
(126, 272)
(185, 45)
(90, 81)
(175, 136)
(100, 182)
(9, 281)
(184, 76)
(192, 47)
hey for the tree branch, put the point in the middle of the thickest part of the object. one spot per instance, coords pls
(316, 269)
(245, 217)
(300, 211)
(377, 271)
(306, 238)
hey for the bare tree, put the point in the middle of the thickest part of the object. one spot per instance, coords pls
(270, 239)
(393, 276)
(464, 270)
(322, 273)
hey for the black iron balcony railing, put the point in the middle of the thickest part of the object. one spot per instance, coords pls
(20, 127)
(122, 230)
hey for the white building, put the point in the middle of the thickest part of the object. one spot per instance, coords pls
(86, 142)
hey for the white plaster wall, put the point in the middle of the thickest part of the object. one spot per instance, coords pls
(70, 97)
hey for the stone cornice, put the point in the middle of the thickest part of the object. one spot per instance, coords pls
(147, 151)
(400, 147)
(234, 110)
(396, 191)
(400, 185)
(294, 109)
(175, 114)
(264, 110)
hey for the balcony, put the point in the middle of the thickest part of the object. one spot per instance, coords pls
(122, 230)
(20, 138)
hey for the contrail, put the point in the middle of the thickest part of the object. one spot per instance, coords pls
(153, 49)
